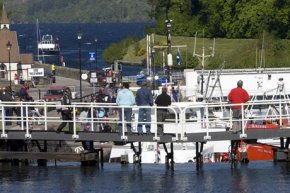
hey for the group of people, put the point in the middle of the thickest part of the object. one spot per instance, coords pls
(22, 95)
(144, 98)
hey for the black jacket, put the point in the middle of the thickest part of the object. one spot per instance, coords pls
(163, 100)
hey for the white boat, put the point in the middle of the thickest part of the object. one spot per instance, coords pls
(270, 83)
(153, 152)
(48, 45)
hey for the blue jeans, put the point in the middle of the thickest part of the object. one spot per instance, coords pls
(127, 119)
(144, 116)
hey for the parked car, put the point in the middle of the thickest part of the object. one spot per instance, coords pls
(55, 93)
(97, 77)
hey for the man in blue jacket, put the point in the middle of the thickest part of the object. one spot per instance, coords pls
(144, 98)
(125, 98)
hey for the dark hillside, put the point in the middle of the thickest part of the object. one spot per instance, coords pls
(76, 11)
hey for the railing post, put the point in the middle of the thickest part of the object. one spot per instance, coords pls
(207, 137)
(3, 134)
(74, 136)
(280, 113)
(243, 135)
(45, 116)
(123, 137)
(155, 123)
(21, 113)
(92, 117)
(27, 135)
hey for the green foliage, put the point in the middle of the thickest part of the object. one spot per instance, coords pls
(116, 51)
(79, 11)
(224, 18)
(234, 53)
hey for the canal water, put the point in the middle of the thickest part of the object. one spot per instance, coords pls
(256, 177)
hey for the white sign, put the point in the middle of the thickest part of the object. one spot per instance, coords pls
(94, 80)
(33, 72)
(109, 80)
(84, 76)
(94, 75)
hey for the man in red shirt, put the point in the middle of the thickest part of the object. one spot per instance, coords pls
(237, 96)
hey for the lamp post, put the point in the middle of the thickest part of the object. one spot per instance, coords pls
(9, 45)
(169, 52)
(79, 37)
(96, 41)
(153, 77)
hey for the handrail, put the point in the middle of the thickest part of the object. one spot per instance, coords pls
(190, 117)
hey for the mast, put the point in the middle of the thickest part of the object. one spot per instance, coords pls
(37, 42)
(37, 39)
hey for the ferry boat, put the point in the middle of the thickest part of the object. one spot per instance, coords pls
(264, 86)
(48, 45)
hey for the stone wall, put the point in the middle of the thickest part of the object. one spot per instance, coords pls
(67, 72)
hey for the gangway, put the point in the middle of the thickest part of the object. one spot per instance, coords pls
(185, 125)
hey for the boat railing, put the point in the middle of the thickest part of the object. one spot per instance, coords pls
(182, 118)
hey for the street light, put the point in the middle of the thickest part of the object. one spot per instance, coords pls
(9, 45)
(152, 57)
(169, 53)
(96, 41)
(79, 37)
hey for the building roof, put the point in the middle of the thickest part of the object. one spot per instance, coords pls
(26, 58)
(4, 18)
(5, 36)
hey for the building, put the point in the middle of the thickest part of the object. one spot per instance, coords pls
(11, 60)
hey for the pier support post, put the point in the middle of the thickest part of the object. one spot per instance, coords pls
(169, 158)
(137, 155)
(234, 148)
(102, 157)
(198, 155)
(42, 162)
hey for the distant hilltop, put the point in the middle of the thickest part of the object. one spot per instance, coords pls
(85, 11)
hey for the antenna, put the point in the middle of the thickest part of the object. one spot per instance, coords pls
(194, 44)
(213, 48)
(262, 54)
(201, 57)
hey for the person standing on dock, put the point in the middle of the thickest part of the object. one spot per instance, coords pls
(162, 100)
(125, 97)
(53, 69)
(144, 98)
(66, 112)
(238, 95)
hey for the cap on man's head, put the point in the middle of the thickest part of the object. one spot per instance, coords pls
(240, 83)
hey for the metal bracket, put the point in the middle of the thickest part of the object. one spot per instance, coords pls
(4, 135)
(124, 138)
(75, 136)
(28, 136)
(207, 137)
(156, 138)
(184, 139)
(243, 135)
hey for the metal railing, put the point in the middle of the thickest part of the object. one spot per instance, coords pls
(183, 118)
